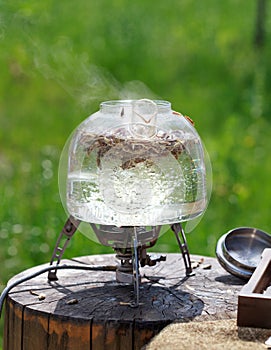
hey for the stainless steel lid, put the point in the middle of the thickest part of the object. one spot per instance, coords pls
(239, 250)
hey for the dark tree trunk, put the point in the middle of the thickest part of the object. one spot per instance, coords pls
(259, 37)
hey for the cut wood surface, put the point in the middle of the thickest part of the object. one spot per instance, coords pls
(90, 310)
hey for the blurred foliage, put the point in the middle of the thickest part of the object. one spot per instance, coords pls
(60, 59)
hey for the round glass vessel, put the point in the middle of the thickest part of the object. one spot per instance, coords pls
(136, 163)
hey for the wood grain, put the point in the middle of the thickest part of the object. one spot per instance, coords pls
(88, 309)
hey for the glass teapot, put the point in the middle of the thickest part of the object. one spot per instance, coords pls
(136, 163)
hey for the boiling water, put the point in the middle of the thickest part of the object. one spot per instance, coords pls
(134, 186)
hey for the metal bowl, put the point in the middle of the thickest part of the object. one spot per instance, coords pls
(239, 250)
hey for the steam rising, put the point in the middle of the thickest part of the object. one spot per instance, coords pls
(57, 59)
(84, 81)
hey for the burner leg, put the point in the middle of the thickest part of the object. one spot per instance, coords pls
(181, 239)
(136, 272)
(67, 232)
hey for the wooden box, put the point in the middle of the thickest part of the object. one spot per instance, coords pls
(254, 300)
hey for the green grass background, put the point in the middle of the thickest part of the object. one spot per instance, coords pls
(60, 59)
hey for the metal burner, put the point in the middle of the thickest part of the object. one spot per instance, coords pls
(130, 258)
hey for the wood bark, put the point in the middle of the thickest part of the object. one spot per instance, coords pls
(90, 310)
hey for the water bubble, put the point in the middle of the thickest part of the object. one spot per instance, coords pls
(44, 248)
(4, 234)
(46, 164)
(47, 174)
(17, 228)
(12, 250)
(50, 151)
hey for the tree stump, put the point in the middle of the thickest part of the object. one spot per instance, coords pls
(90, 310)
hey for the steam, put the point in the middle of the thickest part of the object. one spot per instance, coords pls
(57, 59)
(85, 82)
